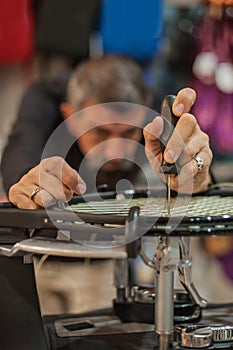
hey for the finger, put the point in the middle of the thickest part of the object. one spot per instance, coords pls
(187, 141)
(21, 199)
(151, 133)
(184, 182)
(53, 186)
(26, 203)
(198, 143)
(184, 101)
(44, 175)
(190, 176)
(152, 145)
(206, 155)
(44, 199)
(58, 167)
(185, 130)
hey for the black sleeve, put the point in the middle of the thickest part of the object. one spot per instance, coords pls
(38, 116)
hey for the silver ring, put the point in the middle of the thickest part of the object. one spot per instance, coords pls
(36, 190)
(200, 162)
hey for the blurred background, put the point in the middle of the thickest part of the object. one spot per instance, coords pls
(193, 46)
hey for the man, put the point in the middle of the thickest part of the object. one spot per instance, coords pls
(98, 83)
(94, 120)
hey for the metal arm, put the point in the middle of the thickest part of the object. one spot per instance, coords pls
(185, 272)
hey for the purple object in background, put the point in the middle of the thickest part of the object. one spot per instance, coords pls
(227, 263)
(213, 82)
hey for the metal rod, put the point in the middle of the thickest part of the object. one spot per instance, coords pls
(169, 195)
(121, 278)
(164, 286)
(185, 271)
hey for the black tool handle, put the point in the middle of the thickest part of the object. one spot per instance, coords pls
(169, 123)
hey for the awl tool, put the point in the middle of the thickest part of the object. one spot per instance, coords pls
(169, 123)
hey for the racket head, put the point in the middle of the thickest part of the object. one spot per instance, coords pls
(217, 219)
(210, 213)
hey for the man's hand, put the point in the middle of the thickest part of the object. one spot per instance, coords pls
(55, 181)
(186, 142)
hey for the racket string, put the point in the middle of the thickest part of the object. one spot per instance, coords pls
(196, 206)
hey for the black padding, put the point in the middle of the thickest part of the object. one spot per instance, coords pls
(21, 325)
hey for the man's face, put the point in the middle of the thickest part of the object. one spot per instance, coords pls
(108, 137)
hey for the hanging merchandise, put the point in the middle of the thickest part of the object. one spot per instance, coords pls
(213, 79)
(16, 31)
(65, 28)
(132, 28)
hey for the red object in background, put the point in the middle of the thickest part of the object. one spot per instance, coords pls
(16, 31)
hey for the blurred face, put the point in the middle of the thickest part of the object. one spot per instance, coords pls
(110, 144)
(107, 137)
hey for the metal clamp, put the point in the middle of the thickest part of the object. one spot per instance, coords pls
(203, 336)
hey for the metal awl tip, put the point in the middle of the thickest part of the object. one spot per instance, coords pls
(169, 195)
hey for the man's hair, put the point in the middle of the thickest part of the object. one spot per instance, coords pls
(110, 78)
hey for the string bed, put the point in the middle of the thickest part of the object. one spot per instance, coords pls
(199, 206)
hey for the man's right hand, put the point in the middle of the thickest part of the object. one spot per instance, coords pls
(55, 181)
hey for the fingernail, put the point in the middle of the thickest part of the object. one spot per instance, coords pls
(169, 156)
(81, 188)
(179, 109)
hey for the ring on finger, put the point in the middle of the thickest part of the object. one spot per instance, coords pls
(200, 162)
(34, 192)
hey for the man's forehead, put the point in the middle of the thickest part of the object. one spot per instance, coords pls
(101, 115)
